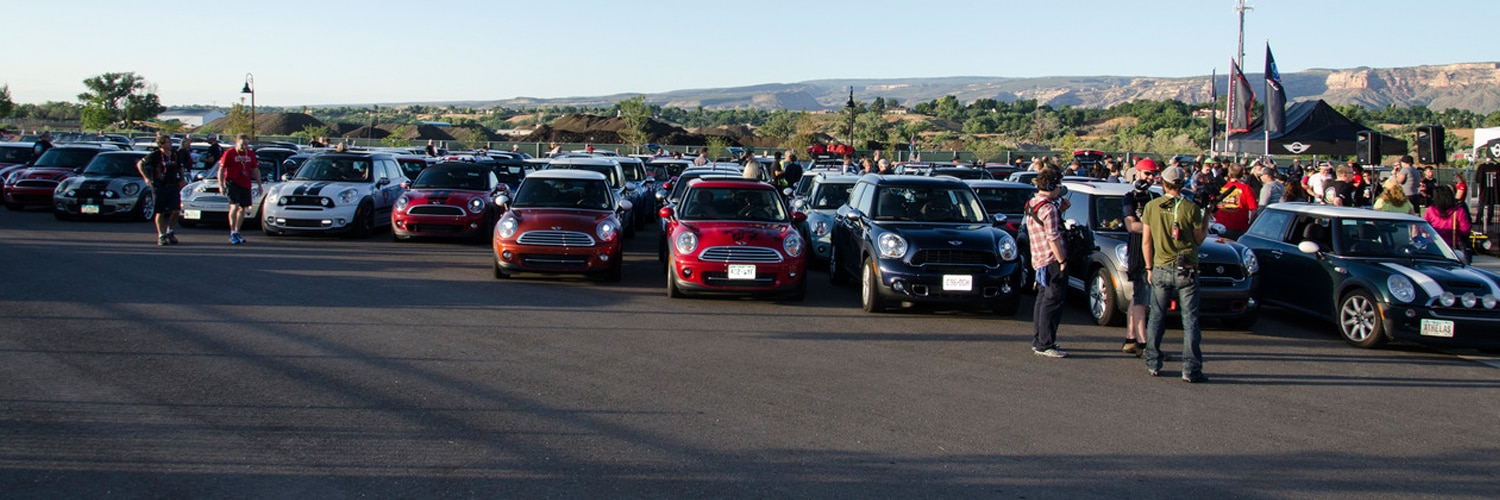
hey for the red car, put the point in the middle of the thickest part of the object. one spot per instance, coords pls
(449, 200)
(33, 185)
(561, 221)
(735, 236)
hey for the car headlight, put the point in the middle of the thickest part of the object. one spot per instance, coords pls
(508, 227)
(1469, 299)
(1122, 252)
(282, 201)
(107, 193)
(1401, 288)
(70, 193)
(131, 189)
(326, 202)
(820, 228)
(1447, 299)
(13, 177)
(686, 242)
(401, 202)
(891, 246)
(606, 230)
(186, 193)
(1252, 264)
(348, 196)
(792, 244)
(1488, 301)
(1007, 247)
(476, 205)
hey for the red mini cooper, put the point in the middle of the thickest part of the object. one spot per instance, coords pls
(448, 200)
(561, 221)
(735, 236)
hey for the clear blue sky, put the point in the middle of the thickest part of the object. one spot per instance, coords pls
(312, 52)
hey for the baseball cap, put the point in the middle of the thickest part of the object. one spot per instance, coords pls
(1173, 175)
(1146, 165)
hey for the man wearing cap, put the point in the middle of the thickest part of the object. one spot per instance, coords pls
(1134, 205)
(1173, 230)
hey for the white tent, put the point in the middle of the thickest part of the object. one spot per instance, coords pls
(1486, 144)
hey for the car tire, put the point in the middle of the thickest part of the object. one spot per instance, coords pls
(1240, 322)
(500, 273)
(836, 274)
(673, 292)
(1102, 297)
(869, 293)
(364, 221)
(145, 207)
(1359, 320)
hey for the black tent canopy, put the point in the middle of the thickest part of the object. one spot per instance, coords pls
(1312, 128)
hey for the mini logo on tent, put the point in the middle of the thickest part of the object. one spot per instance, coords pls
(1297, 147)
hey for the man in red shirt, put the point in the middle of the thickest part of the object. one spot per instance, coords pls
(1236, 204)
(237, 170)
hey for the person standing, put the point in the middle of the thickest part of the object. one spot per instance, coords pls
(1393, 199)
(1049, 260)
(184, 155)
(237, 171)
(1272, 190)
(791, 171)
(1449, 218)
(1174, 230)
(1340, 192)
(702, 158)
(1317, 182)
(431, 149)
(1407, 177)
(1236, 204)
(1134, 205)
(214, 151)
(42, 144)
(163, 175)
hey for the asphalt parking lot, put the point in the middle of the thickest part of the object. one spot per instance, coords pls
(320, 367)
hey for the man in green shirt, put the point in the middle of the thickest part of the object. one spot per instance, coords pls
(1174, 229)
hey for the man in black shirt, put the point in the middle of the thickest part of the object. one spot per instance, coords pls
(1134, 204)
(1340, 192)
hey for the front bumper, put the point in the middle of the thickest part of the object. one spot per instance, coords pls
(311, 220)
(94, 207)
(214, 207)
(29, 196)
(900, 281)
(557, 259)
(467, 225)
(1216, 299)
(698, 276)
(1472, 328)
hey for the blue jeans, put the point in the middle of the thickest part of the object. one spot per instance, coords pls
(1166, 284)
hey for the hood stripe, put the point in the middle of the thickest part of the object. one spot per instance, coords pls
(1428, 285)
(1494, 290)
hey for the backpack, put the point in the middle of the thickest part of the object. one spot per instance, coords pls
(1077, 240)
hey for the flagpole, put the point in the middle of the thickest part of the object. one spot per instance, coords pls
(1265, 122)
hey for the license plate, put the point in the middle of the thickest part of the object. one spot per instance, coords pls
(741, 272)
(1437, 328)
(958, 283)
(192, 214)
(89, 209)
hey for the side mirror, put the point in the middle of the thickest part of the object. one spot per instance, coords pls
(1308, 247)
(1217, 228)
(198, 176)
(665, 212)
(286, 176)
(1070, 223)
(854, 214)
(799, 217)
(799, 204)
(384, 181)
(786, 192)
(502, 200)
(626, 205)
(999, 218)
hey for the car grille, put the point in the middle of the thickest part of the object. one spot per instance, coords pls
(211, 189)
(1221, 271)
(435, 228)
(87, 193)
(304, 201)
(722, 279)
(556, 239)
(304, 223)
(739, 254)
(36, 184)
(555, 262)
(435, 210)
(954, 257)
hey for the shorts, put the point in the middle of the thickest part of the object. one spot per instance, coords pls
(1140, 294)
(168, 198)
(237, 195)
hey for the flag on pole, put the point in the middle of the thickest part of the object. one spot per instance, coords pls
(1241, 99)
(1213, 109)
(1275, 96)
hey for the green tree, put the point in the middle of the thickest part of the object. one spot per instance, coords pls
(170, 126)
(112, 97)
(396, 138)
(238, 120)
(637, 115)
(7, 106)
(718, 146)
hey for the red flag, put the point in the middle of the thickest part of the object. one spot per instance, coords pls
(1241, 99)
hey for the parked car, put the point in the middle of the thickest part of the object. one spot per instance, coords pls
(1228, 272)
(335, 193)
(1009, 199)
(671, 194)
(451, 200)
(203, 200)
(826, 193)
(110, 187)
(961, 173)
(35, 184)
(1377, 276)
(14, 157)
(612, 171)
(561, 221)
(916, 239)
(735, 236)
(412, 165)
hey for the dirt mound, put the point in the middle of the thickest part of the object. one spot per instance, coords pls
(367, 132)
(606, 130)
(267, 124)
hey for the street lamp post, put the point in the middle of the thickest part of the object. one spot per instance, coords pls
(250, 89)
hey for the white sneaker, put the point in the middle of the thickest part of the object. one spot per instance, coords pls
(1050, 353)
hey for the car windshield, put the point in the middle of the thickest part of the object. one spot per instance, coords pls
(16, 154)
(510, 174)
(1004, 200)
(120, 165)
(473, 179)
(830, 195)
(66, 158)
(927, 204)
(335, 169)
(1391, 239)
(609, 171)
(757, 205)
(411, 168)
(562, 193)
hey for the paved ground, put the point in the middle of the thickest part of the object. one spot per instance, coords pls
(311, 367)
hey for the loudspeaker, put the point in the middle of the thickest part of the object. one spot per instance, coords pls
(1430, 149)
(1367, 147)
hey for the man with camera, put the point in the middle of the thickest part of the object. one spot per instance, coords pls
(1173, 230)
(1050, 260)
(1135, 268)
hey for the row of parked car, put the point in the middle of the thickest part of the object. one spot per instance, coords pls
(903, 239)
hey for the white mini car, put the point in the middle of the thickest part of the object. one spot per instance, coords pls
(335, 193)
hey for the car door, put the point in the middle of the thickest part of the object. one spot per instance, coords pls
(1305, 281)
(848, 231)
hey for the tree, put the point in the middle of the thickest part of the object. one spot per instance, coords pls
(170, 126)
(7, 106)
(637, 115)
(238, 120)
(112, 97)
(396, 138)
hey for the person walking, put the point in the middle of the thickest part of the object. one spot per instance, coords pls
(1049, 260)
(1449, 218)
(184, 155)
(1134, 205)
(1174, 230)
(164, 177)
(238, 169)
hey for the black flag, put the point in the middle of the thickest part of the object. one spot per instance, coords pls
(1275, 96)
(1241, 99)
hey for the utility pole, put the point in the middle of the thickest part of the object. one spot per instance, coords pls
(1240, 9)
(850, 107)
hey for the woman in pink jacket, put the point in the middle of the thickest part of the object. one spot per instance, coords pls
(1449, 218)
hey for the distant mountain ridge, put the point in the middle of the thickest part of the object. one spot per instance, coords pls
(1470, 86)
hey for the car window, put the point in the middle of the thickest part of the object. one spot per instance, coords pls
(563, 193)
(863, 197)
(831, 196)
(633, 171)
(1271, 225)
(1078, 209)
(115, 165)
(1004, 200)
(16, 154)
(336, 169)
(755, 205)
(927, 204)
(66, 158)
(1309, 228)
(473, 179)
(1390, 239)
(1109, 213)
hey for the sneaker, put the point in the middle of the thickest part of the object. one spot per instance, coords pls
(1194, 378)
(161, 240)
(235, 239)
(1153, 373)
(1131, 347)
(171, 238)
(1140, 349)
(1051, 352)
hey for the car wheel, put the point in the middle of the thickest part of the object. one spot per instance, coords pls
(869, 294)
(364, 221)
(1240, 322)
(500, 273)
(145, 207)
(836, 274)
(672, 290)
(1102, 299)
(1359, 320)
